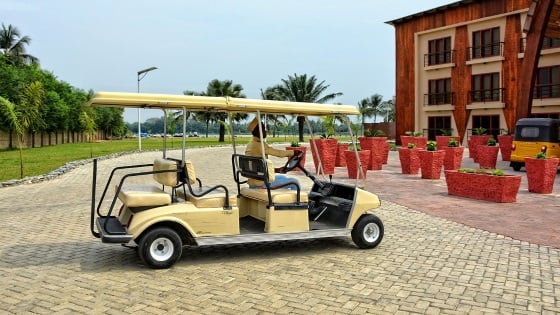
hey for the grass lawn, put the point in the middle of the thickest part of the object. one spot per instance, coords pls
(38, 161)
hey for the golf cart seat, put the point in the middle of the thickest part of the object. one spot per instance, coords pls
(139, 195)
(203, 196)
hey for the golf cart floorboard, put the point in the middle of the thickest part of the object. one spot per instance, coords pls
(252, 230)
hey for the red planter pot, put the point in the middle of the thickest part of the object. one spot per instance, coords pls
(302, 149)
(487, 156)
(376, 146)
(541, 174)
(505, 141)
(453, 158)
(410, 160)
(420, 142)
(443, 141)
(476, 141)
(352, 163)
(387, 148)
(340, 156)
(326, 150)
(483, 186)
(431, 163)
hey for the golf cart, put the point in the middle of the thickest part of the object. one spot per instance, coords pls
(175, 210)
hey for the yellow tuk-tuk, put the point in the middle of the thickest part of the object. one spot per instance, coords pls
(533, 136)
(176, 210)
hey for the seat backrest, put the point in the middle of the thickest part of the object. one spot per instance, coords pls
(256, 168)
(191, 174)
(167, 178)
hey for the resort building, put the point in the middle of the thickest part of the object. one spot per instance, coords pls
(472, 64)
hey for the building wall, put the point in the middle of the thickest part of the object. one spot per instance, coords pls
(458, 21)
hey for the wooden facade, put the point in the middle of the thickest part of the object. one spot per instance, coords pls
(515, 65)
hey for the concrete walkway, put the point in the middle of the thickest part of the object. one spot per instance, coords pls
(437, 256)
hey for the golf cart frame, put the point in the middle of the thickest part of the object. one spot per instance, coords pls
(177, 210)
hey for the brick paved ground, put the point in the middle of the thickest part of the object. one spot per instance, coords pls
(50, 263)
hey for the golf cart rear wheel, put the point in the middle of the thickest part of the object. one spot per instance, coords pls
(368, 231)
(160, 248)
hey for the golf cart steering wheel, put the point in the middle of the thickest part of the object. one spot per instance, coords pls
(293, 161)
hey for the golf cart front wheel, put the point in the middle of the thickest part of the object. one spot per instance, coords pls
(368, 231)
(160, 248)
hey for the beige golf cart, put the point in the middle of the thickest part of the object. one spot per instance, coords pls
(176, 210)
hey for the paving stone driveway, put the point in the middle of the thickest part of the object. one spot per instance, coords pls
(50, 264)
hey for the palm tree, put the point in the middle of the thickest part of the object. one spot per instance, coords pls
(299, 88)
(370, 107)
(219, 88)
(12, 45)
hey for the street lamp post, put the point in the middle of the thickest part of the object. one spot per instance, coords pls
(141, 75)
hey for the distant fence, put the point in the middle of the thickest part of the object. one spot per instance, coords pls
(387, 127)
(41, 139)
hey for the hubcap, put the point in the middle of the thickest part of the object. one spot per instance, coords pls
(161, 249)
(371, 232)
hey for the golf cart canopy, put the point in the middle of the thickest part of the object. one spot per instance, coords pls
(220, 104)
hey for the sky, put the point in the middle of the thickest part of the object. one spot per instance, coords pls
(101, 45)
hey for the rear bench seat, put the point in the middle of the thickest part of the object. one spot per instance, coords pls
(141, 195)
(214, 199)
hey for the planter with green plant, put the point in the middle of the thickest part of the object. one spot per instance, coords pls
(352, 162)
(326, 147)
(340, 156)
(541, 173)
(431, 161)
(295, 146)
(478, 138)
(443, 139)
(453, 155)
(410, 159)
(505, 141)
(483, 184)
(376, 143)
(414, 137)
(487, 155)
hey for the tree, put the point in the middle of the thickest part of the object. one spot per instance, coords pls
(219, 88)
(370, 107)
(12, 44)
(299, 88)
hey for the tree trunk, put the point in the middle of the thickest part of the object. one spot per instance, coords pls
(301, 120)
(222, 133)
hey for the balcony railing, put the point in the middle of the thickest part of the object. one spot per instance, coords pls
(439, 98)
(548, 43)
(439, 58)
(546, 91)
(492, 50)
(482, 96)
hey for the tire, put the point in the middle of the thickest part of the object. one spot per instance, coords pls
(160, 248)
(368, 231)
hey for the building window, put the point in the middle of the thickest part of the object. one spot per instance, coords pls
(486, 88)
(439, 92)
(547, 83)
(486, 43)
(436, 124)
(439, 52)
(490, 122)
(549, 42)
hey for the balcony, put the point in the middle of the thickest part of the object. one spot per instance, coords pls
(490, 98)
(485, 54)
(547, 44)
(446, 98)
(439, 58)
(546, 91)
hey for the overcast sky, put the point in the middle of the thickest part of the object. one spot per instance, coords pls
(102, 44)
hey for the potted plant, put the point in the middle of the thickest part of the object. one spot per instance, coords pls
(483, 185)
(295, 146)
(352, 163)
(505, 141)
(443, 139)
(375, 142)
(410, 159)
(488, 154)
(325, 147)
(478, 138)
(453, 155)
(340, 155)
(431, 161)
(416, 138)
(541, 173)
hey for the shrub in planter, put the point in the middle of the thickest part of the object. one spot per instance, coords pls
(483, 185)
(505, 142)
(295, 146)
(340, 156)
(479, 138)
(410, 159)
(375, 142)
(431, 161)
(541, 173)
(488, 154)
(352, 164)
(453, 155)
(326, 150)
